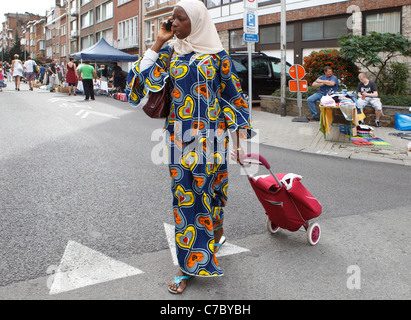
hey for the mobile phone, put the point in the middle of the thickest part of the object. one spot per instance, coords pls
(168, 25)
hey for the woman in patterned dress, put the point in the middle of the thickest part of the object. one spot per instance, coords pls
(207, 101)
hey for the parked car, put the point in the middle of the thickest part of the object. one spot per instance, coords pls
(266, 73)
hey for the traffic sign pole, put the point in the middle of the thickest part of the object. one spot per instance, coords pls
(297, 72)
(250, 35)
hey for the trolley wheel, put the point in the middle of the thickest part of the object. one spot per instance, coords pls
(271, 226)
(313, 233)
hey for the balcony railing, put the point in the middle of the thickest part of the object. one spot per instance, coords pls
(128, 42)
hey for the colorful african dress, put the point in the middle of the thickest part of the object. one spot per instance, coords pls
(206, 101)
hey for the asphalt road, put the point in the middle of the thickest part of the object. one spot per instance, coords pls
(75, 172)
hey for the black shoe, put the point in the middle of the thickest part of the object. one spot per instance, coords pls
(85, 99)
(377, 123)
(316, 118)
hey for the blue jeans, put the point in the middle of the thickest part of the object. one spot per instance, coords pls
(311, 103)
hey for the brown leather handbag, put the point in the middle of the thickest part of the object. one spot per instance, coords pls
(159, 103)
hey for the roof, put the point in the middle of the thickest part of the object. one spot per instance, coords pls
(102, 51)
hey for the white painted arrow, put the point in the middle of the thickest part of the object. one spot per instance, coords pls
(81, 266)
(226, 250)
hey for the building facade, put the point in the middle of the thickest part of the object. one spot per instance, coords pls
(132, 25)
(311, 24)
(155, 13)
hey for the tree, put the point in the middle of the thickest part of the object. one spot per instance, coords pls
(374, 50)
(16, 49)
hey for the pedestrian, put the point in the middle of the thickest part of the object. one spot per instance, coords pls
(327, 83)
(29, 67)
(206, 101)
(8, 72)
(42, 73)
(52, 74)
(118, 78)
(1, 77)
(103, 72)
(367, 91)
(17, 71)
(87, 72)
(71, 76)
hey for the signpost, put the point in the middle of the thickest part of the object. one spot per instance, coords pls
(250, 28)
(297, 72)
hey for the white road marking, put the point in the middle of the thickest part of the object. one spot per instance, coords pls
(81, 266)
(226, 250)
(84, 114)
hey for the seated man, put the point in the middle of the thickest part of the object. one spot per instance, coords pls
(327, 83)
(368, 94)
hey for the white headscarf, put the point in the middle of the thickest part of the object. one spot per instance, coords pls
(203, 38)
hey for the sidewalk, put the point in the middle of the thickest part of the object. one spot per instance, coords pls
(281, 132)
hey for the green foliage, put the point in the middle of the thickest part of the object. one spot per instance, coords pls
(394, 79)
(367, 50)
(395, 100)
(344, 69)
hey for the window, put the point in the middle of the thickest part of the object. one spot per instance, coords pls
(42, 45)
(237, 40)
(150, 30)
(87, 19)
(63, 50)
(127, 33)
(326, 29)
(383, 22)
(149, 3)
(87, 42)
(120, 2)
(63, 30)
(218, 3)
(106, 35)
(261, 68)
(213, 3)
(83, 2)
(104, 12)
(272, 34)
(277, 68)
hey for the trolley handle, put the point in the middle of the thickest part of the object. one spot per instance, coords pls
(256, 156)
(262, 161)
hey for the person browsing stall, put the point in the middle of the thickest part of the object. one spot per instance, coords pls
(87, 73)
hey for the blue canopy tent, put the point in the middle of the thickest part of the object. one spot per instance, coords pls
(102, 51)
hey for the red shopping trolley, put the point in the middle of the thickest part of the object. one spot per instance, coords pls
(287, 203)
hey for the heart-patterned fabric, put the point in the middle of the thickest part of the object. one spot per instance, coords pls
(199, 184)
(206, 101)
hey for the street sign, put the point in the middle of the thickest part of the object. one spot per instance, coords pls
(250, 4)
(250, 21)
(250, 37)
(298, 85)
(297, 72)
